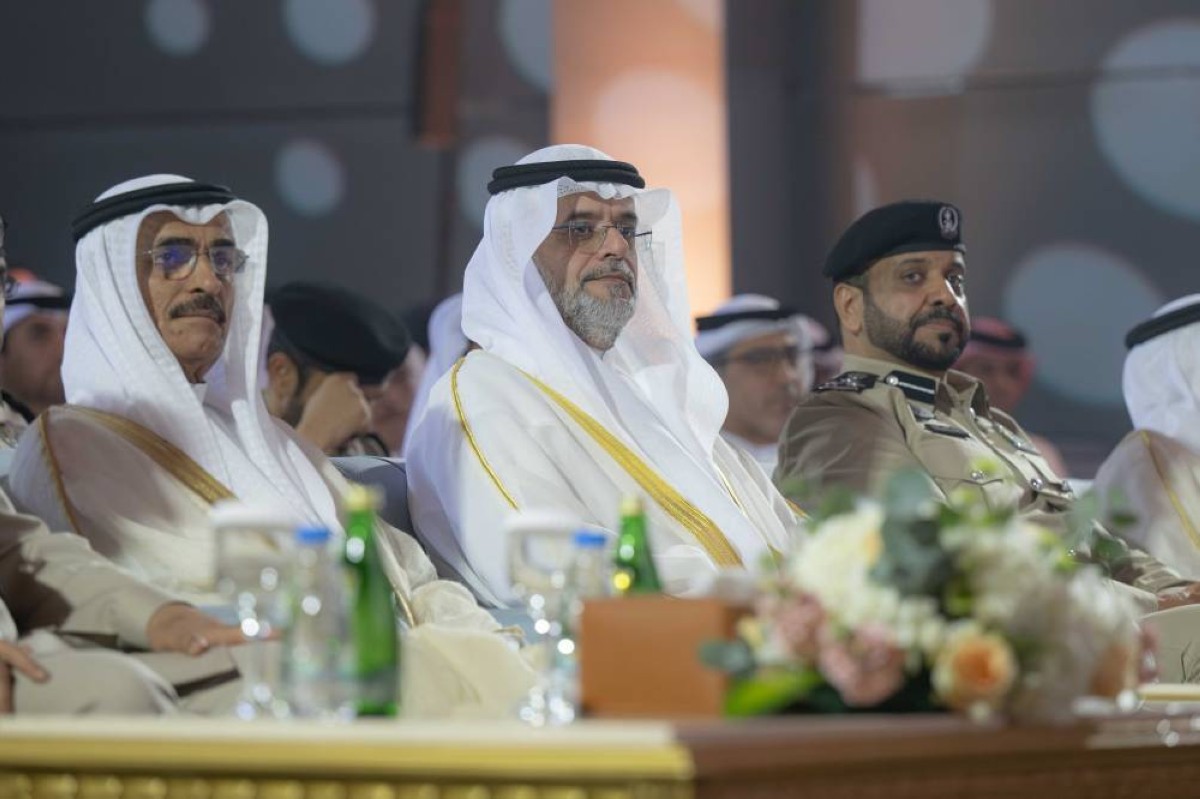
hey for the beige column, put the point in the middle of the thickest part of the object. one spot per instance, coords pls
(644, 81)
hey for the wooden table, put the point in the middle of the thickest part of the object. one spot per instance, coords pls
(869, 756)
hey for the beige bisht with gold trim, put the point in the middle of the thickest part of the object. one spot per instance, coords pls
(537, 419)
(138, 456)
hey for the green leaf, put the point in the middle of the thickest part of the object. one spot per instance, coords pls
(912, 561)
(769, 692)
(909, 494)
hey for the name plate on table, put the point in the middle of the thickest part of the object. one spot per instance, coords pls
(639, 656)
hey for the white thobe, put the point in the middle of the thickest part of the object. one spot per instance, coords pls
(526, 446)
(1158, 480)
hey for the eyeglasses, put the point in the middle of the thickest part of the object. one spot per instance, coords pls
(588, 238)
(7, 281)
(767, 359)
(178, 261)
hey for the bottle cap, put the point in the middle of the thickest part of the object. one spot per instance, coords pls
(312, 535)
(589, 539)
(631, 505)
(361, 497)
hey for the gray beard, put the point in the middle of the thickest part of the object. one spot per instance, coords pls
(597, 322)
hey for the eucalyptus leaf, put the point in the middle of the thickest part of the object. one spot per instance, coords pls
(731, 657)
(909, 494)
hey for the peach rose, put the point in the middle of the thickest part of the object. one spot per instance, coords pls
(974, 668)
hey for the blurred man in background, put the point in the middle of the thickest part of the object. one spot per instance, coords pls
(328, 357)
(998, 355)
(763, 354)
(35, 327)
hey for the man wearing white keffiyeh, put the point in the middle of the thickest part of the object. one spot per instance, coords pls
(1155, 470)
(587, 385)
(164, 410)
(165, 416)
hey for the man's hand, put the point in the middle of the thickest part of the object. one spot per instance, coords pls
(1181, 595)
(336, 412)
(176, 627)
(15, 656)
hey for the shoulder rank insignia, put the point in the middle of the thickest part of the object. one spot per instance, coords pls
(946, 430)
(915, 387)
(857, 382)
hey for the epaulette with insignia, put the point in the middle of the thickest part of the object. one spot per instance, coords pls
(857, 382)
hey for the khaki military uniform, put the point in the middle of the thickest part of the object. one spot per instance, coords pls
(874, 419)
(76, 612)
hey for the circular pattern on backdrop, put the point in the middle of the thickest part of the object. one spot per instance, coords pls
(178, 27)
(527, 35)
(1075, 301)
(921, 38)
(644, 111)
(1148, 126)
(327, 32)
(310, 177)
(475, 165)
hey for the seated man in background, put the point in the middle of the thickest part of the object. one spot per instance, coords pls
(827, 354)
(65, 611)
(764, 357)
(166, 416)
(586, 386)
(35, 326)
(900, 295)
(329, 353)
(1155, 471)
(997, 356)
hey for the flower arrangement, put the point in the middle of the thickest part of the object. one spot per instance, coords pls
(913, 604)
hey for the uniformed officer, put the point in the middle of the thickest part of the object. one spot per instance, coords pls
(899, 276)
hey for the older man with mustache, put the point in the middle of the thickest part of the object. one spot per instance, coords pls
(585, 386)
(899, 290)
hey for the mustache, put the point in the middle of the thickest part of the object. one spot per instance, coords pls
(612, 268)
(940, 313)
(201, 302)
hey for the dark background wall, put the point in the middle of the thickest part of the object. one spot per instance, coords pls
(1068, 131)
(306, 107)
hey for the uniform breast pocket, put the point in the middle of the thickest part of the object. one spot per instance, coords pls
(998, 493)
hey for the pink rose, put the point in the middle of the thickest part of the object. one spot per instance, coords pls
(797, 621)
(866, 668)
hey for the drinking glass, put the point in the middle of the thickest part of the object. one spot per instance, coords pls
(540, 552)
(253, 554)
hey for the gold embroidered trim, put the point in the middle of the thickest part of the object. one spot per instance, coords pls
(171, 458)
(670, 500)
(796, 509)
(466, 428)
(1162, 476)
(55, 472)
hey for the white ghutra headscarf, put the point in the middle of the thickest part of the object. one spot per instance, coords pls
(115, 360)
(1161, 380)
(651, 389)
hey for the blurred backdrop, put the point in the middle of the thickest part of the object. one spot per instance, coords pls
(1067, 130)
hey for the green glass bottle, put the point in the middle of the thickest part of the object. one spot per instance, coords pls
(634, 571)
(373, 614)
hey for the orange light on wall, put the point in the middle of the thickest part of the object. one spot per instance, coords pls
(644, 81)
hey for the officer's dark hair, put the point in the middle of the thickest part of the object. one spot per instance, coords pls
(304, 365)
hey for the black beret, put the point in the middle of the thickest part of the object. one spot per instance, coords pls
(338, 330)
(908, 226)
